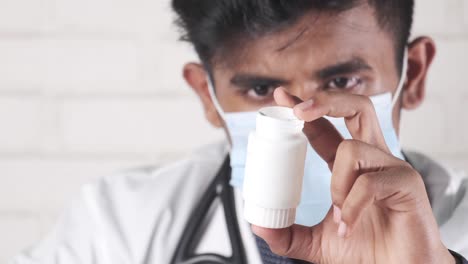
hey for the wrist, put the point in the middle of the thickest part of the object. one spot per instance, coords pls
(459, 259)
(448, 257)
(440, 255)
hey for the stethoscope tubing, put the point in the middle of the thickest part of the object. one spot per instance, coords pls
(219, 188)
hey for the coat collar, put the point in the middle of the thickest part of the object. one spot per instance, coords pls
(444, 186)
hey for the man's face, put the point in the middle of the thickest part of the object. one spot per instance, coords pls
(346, 53)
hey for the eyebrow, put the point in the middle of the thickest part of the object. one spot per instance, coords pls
(352, 66)
(250, 80)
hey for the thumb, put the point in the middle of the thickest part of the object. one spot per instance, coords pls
(298, 242)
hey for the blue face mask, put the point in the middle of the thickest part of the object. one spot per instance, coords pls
(316, 196)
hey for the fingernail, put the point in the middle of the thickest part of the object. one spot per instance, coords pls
(342, 229)
(305, 105)
(336, 214)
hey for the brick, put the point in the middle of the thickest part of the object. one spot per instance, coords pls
(18, 231)
(50, 137)
(446, 84)
(24, 15)
(163, 65)
(429, 16)
(439, 128)
(448, 74)
(424, 129)
(67, 64)
(465, 15)
(146, 125)
(91, 64)
(40, 185)
(94, 66)
(22, 64)
(460, 129)
(21, 123)
(437, 17)
(100, 14)
(48, 219)
(118, 16)
(156, 19)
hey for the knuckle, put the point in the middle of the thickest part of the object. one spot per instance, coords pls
(337, 202)
(346, 145)
(338, 194)
(349, 147)
(366, 103)
(278, 246)
(285, 250)
(410, 183)
(366, 183)
(280, 251)
(413, 175)
(349, 212)
(363, 190)
(405, 164)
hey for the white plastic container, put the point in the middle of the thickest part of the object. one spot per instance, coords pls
(274, 168)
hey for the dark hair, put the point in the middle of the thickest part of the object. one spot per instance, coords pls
(210, 25)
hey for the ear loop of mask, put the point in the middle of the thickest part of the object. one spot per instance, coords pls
(402, 81)
(216, 104)
(220, 111)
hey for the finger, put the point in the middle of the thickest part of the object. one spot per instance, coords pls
(322, 135)
(357, 111)
(354, 158)
(324, 139)
(359, 199)
(394, 189)
(283, 98)
(299, 242)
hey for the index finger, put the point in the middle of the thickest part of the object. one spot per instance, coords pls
(321, 134)
(357, 111)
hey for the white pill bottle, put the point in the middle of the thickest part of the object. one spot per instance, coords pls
(274, 168)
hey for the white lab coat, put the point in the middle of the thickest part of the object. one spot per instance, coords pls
(139, 215)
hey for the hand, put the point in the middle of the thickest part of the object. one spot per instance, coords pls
(381, 212)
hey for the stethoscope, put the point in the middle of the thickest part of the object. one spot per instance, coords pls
(219, 190)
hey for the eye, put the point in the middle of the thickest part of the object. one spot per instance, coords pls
(343, 83)
(261, 91)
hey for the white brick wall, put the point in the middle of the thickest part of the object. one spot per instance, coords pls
(465, 13)
(86, 88)
(20, 117)
(17, 229)
(24, 15)
(22, 64)
(160, 124)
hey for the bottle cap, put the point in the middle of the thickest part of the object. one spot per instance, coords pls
(277, 121)
(267, 217)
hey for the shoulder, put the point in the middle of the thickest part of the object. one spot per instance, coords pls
(447, 189)
(438, 175)
(132, 192)
(120, 217)
(149, 206)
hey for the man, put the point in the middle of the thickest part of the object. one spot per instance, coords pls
(323, 59)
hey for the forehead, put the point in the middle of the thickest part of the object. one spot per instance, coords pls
(316, 40)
